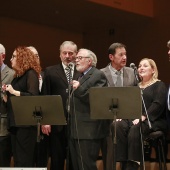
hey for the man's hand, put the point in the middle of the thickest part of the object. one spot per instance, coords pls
(46, 129)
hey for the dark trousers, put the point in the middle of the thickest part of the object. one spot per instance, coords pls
(42, 152)
(5, 151)
(23, 146)
(84, 153)
(57, 144)
(128, 145)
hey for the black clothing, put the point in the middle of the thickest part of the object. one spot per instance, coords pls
(5, 151)
(86, 134)
(128, 135)
(23, 137)
(55, 83)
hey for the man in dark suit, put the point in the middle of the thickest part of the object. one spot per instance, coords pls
(118, 58)
(55, 82)
(7, 75)
(86, 133)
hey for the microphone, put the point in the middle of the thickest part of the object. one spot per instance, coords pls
(71, 64)
(132, 65)
(139, 79)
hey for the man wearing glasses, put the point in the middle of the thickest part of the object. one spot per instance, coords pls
(86, 133)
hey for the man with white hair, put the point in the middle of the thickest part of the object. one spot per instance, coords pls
(86, 133)
(7, 75)
(33, 49)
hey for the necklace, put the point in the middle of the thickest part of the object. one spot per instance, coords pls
(144, 86)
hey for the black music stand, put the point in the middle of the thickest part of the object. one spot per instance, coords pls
(115, 103)
(37, 110)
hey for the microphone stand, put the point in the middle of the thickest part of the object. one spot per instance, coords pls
(138, 81)
(68, 118)
(149, 123)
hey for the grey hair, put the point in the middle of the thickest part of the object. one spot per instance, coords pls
(69, 43)
(91, 55)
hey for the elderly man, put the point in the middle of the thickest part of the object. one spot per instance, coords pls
(86, 134)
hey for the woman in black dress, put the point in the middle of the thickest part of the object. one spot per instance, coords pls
(26, 83)
(154, 94)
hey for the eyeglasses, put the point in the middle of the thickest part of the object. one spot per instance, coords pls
(37, 55)
(13, 56)
(80, 57)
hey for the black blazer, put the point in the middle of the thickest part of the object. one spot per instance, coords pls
(55, 83)
(87, 128)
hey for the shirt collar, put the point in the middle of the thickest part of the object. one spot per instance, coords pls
(2, 66)
(87, 70)
(114, 70)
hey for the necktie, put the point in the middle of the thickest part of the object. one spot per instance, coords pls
(80, 77)
(68, 74)
(119, 80)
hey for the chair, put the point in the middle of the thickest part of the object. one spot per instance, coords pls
(158, 138)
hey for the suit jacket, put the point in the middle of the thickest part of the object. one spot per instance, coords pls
(55, 83)
(82, 126)
(7, 75)
(128, 76)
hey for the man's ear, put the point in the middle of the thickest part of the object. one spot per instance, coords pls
(3, 57)
(111, 57)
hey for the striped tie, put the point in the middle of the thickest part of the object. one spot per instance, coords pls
(68, 75)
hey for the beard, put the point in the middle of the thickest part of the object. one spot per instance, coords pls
(81, 68)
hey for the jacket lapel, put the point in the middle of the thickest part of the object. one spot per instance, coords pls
(108, 74)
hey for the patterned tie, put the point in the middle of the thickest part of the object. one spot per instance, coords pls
(119, 80)
(68, 75)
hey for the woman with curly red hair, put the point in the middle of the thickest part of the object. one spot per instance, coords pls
(26, 83)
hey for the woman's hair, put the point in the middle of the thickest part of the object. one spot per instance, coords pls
(153, 66)
(25, 60)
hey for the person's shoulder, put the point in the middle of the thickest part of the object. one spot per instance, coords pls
(53, 67)
(159, 82)
(105, 68)
(98, 71)
(128, 69)
(8, 69)
(31, 71)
